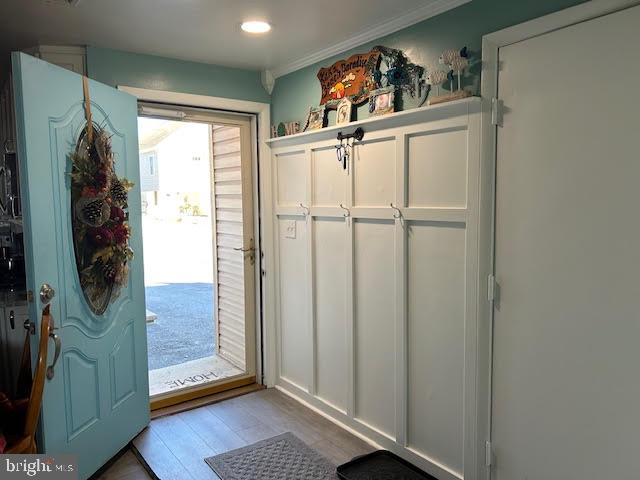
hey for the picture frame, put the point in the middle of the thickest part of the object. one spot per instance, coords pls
(343, 111)
(316, 118)
(382, 101)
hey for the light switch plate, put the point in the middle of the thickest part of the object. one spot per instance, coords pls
(290, 229)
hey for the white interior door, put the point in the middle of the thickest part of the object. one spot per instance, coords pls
(566, 332)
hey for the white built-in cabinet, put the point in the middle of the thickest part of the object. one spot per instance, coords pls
(376, 306)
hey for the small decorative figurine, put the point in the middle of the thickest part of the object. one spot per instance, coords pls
(458, 64)
(456, 61)
(435, 78)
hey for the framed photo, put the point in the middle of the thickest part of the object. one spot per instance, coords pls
(316, 118)
(343, 112)
(381, 101)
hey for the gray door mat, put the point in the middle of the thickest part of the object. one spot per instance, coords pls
(283, 457)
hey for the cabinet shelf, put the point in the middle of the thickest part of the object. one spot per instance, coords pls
(392, 120)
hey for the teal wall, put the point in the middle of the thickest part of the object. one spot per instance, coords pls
(115, 67)
(423, 43)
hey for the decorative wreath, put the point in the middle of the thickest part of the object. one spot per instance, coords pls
(99, 215)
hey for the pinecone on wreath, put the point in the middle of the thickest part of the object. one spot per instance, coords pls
(109, 271)
(118, 192)
(92, 211)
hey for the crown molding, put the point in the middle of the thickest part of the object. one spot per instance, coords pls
(431, 9)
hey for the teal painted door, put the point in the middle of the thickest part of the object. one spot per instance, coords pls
(98, 399)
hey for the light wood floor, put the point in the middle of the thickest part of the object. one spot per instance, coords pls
(175, 446)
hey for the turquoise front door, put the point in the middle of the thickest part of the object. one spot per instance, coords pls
(98, 398)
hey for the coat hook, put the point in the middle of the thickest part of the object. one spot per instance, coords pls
(306, 209)
(348, 212)
(397, 214)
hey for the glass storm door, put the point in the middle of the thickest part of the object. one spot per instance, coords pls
(98, 399)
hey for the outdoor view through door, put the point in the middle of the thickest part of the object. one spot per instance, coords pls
(194, 226)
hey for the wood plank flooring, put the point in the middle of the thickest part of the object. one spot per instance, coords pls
(175, 446)
(126, 467)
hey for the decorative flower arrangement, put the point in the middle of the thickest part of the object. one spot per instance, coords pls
(100, 220)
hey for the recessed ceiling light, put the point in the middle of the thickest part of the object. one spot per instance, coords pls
(255, 26)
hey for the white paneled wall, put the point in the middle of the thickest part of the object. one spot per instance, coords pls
(376, 311)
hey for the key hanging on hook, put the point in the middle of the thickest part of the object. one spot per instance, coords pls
(343, 150)
(345, 156)
(340, 151)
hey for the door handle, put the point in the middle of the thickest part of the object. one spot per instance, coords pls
(29, 326)
(58, 346)
(46, 293)
(251, 250)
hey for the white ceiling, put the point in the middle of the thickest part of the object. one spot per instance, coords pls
(304, 31)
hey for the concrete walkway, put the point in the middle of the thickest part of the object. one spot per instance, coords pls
(184, 329)
(178, 268)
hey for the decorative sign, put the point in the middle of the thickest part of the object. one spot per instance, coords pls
(285, 128)
(397, 71)
(353, 78)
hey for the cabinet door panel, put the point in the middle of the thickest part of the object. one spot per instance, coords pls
(330, 310)
(375, 324)
(329, 178)
(435, 340)
(295, 333)
(437, 166)
(291, 177)
(374, 170)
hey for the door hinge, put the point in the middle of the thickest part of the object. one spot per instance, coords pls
(496, 112)
(491, 287)
(488, 454)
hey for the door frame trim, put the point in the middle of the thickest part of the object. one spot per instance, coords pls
(491, 44)
(265, 305)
